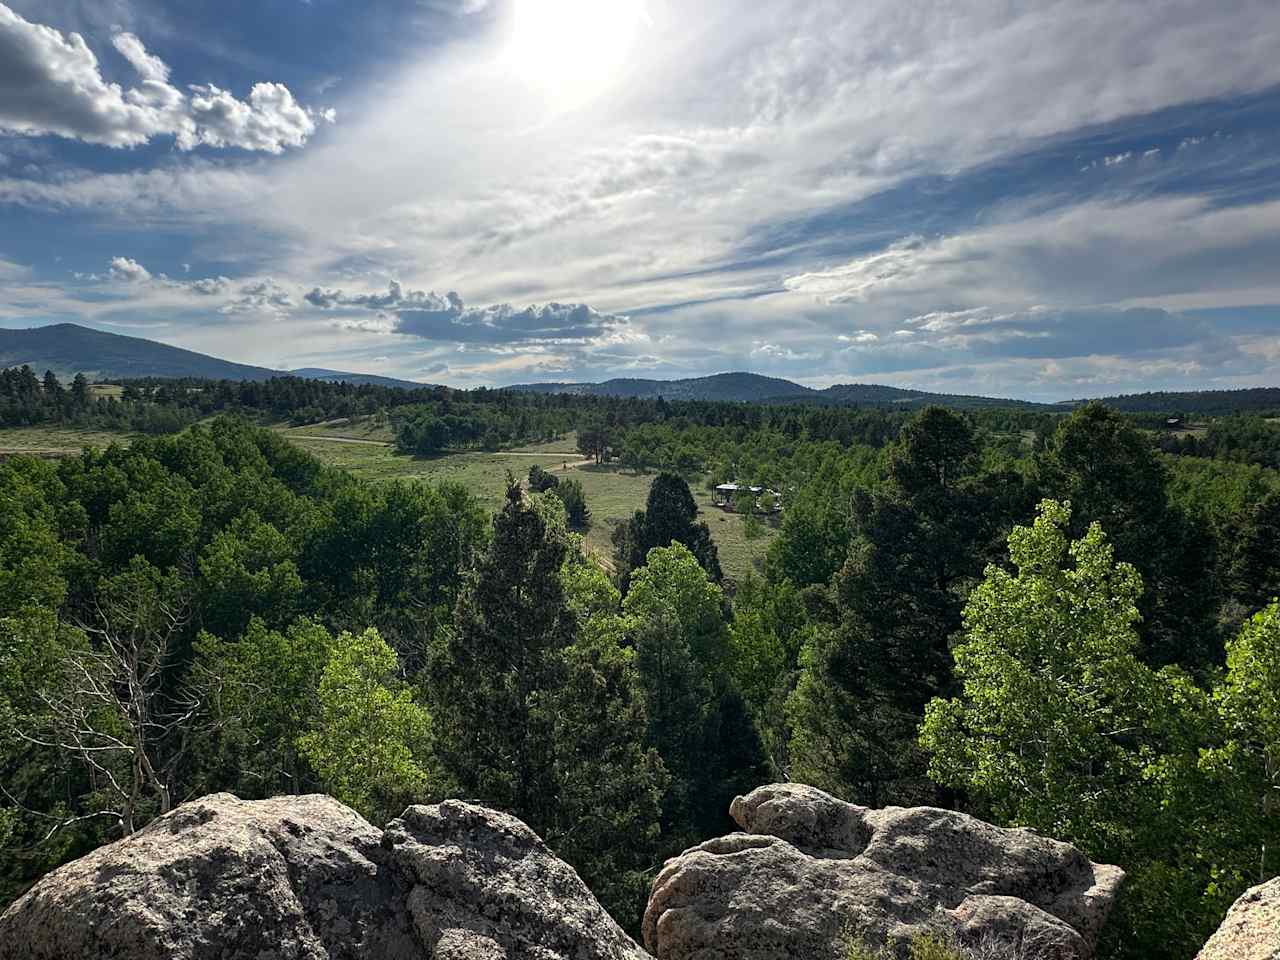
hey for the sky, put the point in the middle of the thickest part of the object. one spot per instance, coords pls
(1045, 199)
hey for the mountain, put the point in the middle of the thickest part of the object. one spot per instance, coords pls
(878, 395)
(68, 349)
(1208, 403)
(754, 388)
(359, 379)
(722, 386)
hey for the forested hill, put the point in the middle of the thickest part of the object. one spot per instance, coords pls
(68, 349)
(740, 387)
(359, 379)
(754, 388)
(1203, 402)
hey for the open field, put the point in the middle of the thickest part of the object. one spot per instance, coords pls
(612, 493)
(55, 441)
(365, 450)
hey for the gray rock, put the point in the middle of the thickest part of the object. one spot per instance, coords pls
(306, 878)
(486, 886)
(811, 870)
(296, 878)
(1251, 930)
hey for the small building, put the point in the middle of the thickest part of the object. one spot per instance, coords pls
(727, 495)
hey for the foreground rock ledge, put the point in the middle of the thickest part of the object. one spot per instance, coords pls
(306, 878)
(809, 868)
(1251, 930)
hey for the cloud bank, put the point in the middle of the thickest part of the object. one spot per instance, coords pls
(52, 83)
(431, 316)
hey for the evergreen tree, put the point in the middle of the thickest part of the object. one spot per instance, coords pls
(670, 516)
(80, 391)
(537, 707)
(509, 628)
(52, 389)
(1100, 462)
(918, 543)
(1255, 570)
(698, 721)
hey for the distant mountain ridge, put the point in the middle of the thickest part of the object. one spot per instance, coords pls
(338, 376)
(755, 388)
(68, 349)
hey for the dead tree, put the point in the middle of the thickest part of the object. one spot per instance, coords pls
(118, 710)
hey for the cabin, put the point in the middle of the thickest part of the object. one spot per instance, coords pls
(727, 494)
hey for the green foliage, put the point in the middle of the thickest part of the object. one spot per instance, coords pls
(927, 946)
(917, 542)
(262, 693)
(669, 517)
(540, 481)
(1049, 727)
(1100, 462)
(1062, 727)
(698, 722)
(576, 510)
(371, 739)
(249, 569)
(537, 705)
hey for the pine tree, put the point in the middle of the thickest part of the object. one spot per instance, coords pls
(539, 713)
(670, 516)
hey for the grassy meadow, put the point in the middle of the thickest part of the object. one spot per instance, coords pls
(364, 448)
(613, 494)
(48, 441)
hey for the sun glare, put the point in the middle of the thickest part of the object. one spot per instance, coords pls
(572, 50)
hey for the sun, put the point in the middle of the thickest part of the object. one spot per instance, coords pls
(572, 50)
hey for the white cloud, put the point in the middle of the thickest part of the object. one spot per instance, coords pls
(432, 316)
(262, 297)
(52, 83)
(128, 271)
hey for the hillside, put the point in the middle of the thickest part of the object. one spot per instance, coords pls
(1203, 402)
(68, 349)
(754, 388)
(359, 379)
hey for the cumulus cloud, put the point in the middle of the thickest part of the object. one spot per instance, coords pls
(432, 316)
(230, 298)
(261, 297)
(128, 271)
(52, 83)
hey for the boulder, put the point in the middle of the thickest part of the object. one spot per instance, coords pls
(1251, 930)
(296, 877)
(306, 878)
(485, 886)
(810, 872)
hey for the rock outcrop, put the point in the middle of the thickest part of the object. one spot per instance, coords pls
(810, 871)
(1251, 930)
(483, 885)
(306, 878)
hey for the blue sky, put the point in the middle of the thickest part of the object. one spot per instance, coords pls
(1035, 199)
